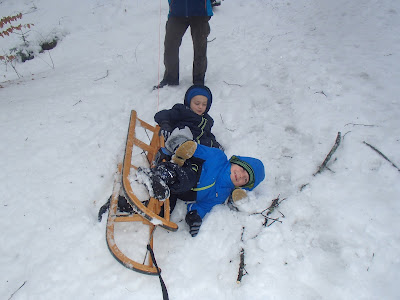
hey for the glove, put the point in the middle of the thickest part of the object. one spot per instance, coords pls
(165, 130)
(194, 221)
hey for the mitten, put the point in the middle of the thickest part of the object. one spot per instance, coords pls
(238, 194)
(165, 130)
(194, 221)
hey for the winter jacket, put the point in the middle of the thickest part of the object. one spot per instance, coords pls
(215, 184)
(189, 8)
(181, 115)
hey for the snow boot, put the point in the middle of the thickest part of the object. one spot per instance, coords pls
(167, 175)
(238, 194)
(184, 152)
(155, 185)
(163, 83)
(162, 155)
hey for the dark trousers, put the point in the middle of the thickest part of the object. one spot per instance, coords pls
(174, 31)
(185, 178)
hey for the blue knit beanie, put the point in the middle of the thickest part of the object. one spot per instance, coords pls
(195, 90)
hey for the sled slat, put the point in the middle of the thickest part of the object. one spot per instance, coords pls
(146, 214)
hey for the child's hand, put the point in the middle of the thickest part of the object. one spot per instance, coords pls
(165, 130)
(194, 221)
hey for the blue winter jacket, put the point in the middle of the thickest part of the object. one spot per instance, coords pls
(189, 8)
(215, 184)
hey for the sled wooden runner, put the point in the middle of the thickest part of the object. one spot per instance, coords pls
(146, 212)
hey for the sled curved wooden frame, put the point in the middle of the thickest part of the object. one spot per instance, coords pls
(147, 212)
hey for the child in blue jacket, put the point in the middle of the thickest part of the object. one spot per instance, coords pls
(193, 113)
(203, 175)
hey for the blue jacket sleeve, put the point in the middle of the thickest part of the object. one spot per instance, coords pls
(202, 207)
(210, 154)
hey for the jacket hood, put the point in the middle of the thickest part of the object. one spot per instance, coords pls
(253, 166)
(195, 90)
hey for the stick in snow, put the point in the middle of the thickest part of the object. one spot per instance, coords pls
(381, 154)
(102, 77)
(241, 267)
(269, 210)
(328, 157)
(17, 290)
(242, 270)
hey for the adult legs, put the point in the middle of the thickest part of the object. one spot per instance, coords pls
(174, 31)
(200, 29)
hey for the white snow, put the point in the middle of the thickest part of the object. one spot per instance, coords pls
(286, 77)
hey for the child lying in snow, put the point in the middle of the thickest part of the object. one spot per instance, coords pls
(201, 174)
(192, 113)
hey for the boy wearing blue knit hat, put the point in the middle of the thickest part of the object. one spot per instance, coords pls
(200, 174)
(193, 113)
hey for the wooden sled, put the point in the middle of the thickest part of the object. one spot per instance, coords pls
(146, 212)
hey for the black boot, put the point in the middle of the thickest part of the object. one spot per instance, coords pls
(155, 185)
(165, 82)
(168, 175)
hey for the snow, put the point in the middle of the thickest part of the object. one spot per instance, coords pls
(286, 77)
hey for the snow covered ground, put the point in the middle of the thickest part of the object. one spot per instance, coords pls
(286, 77)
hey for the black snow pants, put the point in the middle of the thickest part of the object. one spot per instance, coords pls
(174, 31)
(185, 180)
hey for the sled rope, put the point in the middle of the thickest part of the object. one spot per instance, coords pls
(159, 54)
(163, 287)
(153, 258)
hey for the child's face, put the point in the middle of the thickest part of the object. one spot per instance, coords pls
(198, 104)
(239, 176)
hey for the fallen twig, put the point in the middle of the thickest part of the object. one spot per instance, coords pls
(77, 102)
(303, 186)
(222, 120)
(232, 84)
(17, 290)
(381, 154)
(357, 124)
(269, 210)
(102, 77)
(373, 255)
(321, 92)
(242, 270)
(328, 157)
